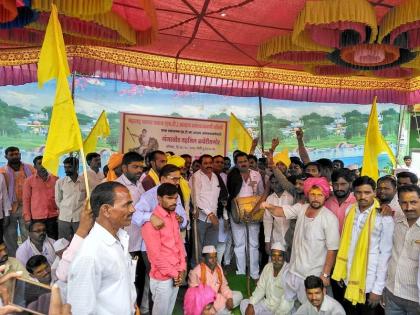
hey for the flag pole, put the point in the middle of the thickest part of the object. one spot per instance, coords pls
(82, 152)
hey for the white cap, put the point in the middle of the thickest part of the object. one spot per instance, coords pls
(278, 246)
(208, 249)
(353, 167)
(60, 244)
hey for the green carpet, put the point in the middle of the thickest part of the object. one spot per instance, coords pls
(236, 283)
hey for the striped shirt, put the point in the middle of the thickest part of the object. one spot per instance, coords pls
(403, 267)
(380, 248)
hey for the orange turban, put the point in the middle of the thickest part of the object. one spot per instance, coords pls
(114, 161)
(320, 182)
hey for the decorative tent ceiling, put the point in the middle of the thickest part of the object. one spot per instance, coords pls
(323, 50)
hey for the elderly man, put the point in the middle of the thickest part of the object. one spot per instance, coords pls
(318, 300)
(101, 278)
(268, 297)
(38, 243)
(210, 273)
(316, 238)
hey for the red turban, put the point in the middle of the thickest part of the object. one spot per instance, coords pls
(320, 182)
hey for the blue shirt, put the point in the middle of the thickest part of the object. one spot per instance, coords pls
(145, 206)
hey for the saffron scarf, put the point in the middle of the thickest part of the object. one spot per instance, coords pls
(154, 176)
(11, 180)
(356, 287)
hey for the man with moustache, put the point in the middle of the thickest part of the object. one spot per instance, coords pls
(342, 196)
(244, 182)
(70, 196)
(94, 172)
(318, 300)
(402, 291)
(37, 244)
(210, 273)
(15, 173)
(365, 249)
(157, 160)
(268, 297)
(316, 238)
(166, 252)
(101, 277)
(386, 192)
(206, 190)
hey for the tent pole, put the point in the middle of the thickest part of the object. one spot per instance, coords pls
(261, 123)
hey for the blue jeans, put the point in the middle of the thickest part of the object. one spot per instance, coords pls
(398, 306)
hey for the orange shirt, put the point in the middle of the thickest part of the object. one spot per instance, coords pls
(20, 177)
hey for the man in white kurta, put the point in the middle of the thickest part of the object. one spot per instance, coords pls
(268, 297)
(101, 278)
(275, 228)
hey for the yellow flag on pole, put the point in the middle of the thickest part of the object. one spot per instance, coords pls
(64, 132)
(375, 144)
(239, 138)
(101, 129)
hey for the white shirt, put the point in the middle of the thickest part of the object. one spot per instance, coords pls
(207, 192)
(275, 227)
(5, 205)
(270, 290)
(101, 277)
(253, 186)
(328, 307)
(395, 206)
(380, 248)
(136, 190)
(403, 268)
(405, 168)
(70, 198)
(313, 238)
(94, 178)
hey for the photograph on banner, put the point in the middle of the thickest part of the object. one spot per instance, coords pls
(146, 133)
(334, 131)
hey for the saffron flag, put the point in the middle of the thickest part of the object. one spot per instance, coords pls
(64, 132)
(101, 129)
(239, 138)
(375, 144)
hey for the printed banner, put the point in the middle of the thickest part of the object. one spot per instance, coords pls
(146, 133)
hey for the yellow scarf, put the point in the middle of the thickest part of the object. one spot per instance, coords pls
(186, 191)
(154, 176)
(356, 287)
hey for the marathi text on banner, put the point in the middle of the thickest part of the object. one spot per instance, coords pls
(146, 133)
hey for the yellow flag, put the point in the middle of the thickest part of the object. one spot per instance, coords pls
(375, 144)
(101, 129)
(238, 135)
(64, 132)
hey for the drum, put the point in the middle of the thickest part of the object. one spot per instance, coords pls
(245, 205)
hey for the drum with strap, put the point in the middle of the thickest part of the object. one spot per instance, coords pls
(244, 206)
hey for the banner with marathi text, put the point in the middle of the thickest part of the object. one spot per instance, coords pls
(146, 133)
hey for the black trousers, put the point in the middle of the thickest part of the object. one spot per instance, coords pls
(51, 224)
(362, 309)
(147, 266)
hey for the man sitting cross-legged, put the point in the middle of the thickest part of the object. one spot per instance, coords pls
(210, 273)
(268, 297)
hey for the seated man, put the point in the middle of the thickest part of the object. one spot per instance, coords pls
(37, 244)
(40, 271)
(210, 273)
(268, 297)
(11, 265)
(318, 300)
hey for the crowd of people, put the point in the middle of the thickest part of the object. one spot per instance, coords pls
(319, 238)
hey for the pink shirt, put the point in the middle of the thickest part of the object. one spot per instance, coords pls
(340, 210)
(165, 248)
(39, 198)
(212, 280)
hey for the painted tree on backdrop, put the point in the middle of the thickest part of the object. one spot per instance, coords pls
(315, 126)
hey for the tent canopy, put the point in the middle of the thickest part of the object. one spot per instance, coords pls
(270, 48)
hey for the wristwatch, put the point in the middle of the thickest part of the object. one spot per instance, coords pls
(325, 275)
